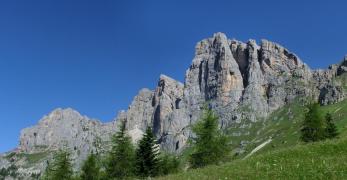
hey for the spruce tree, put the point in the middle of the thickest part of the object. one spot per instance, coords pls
(331, 129)
(147, 160)
(210, 146)
(120, 162)
(90, 169)
(313, 126)
(60, 168)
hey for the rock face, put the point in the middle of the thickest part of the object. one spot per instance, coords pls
(164, 109)
(331, 82)
(240, 81)
(66, 128)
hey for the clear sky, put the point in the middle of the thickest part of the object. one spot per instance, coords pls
(94, 56)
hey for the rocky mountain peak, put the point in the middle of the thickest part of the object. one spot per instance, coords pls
(242, 82)
(62, 114)
(65, 128)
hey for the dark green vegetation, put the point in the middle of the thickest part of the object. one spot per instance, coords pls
(330, 129)
(147, 161)
(90, 169)
(60, 168)
(315, 128)
(120, 161)
(210, 146)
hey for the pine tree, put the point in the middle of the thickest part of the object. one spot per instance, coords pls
(120, 162)
(60, 168)
(313, 126)
(147, 160)
(210, 146)
(331, 129)
(90, 169)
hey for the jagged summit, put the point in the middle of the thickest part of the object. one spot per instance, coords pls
(230, 75)
(60, 113)
(243, 83)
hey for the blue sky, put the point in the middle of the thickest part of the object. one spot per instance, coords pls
(94, 56)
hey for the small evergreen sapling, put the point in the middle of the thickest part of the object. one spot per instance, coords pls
(331, 129)
(210, 146)
(314, 126)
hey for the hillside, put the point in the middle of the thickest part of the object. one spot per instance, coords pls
(286, 157)
(324, 160)
(283, 126)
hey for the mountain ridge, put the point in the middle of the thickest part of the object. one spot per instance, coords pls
(243, 82)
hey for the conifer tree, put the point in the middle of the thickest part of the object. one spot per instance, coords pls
(90, 169)
(120, 162)
(313, 126)
(210, 146)
(331, 129)
(147, 153)
(60, 168)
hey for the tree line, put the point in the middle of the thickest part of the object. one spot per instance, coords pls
(209, 145)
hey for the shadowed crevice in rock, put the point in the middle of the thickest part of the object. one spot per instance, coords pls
(156, 120)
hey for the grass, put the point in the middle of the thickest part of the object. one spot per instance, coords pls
(284, 125)
(286, 157)
(323, 160)
(36, 157)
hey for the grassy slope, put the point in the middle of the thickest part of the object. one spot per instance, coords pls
(286, 157)
(325, 160)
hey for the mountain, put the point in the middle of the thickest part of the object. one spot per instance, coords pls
(245, 84)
